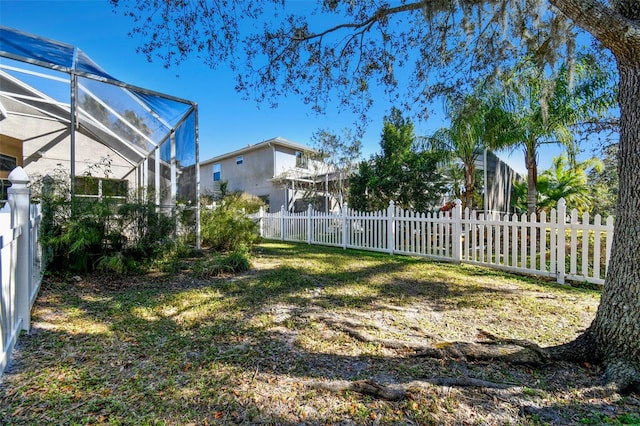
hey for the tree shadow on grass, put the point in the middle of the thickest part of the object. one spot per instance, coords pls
(226, 370)
(214, 352)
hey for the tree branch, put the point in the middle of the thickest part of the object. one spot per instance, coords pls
(611, 28)
(381, 13)
(400, 391)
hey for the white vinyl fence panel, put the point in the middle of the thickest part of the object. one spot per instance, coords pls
(558, 245)
(21, 262)
(367, 230)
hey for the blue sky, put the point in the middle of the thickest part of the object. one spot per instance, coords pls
(226, 121)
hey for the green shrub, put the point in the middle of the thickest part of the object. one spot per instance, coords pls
(113, 235)
(84, 234)
(87, 235)
(149, 232)
(177, 258)
(227, 227)
(114, 263)
(237, 261)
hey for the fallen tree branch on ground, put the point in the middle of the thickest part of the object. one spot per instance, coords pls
(354, 330)
(512, 353)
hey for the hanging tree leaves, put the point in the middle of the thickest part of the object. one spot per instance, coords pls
(334, 54)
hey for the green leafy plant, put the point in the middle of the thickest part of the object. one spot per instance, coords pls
(218, 264)
(226, 227)
(148, 232)
(563, 180)
(84, 233)
(237, 261)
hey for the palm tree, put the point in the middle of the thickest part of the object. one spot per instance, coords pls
(534, 109)
(470, 133)
(562, 180)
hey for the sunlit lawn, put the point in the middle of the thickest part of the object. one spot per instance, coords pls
(243, 349)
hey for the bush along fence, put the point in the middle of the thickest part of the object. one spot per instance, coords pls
(21, 262)
(559, 245)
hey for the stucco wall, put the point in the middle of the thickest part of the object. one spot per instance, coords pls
(252, 176)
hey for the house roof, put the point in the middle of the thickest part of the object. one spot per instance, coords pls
(278, 141)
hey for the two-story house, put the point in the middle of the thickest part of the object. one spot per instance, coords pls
(279, 171)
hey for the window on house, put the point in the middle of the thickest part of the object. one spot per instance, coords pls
(301, 160)
(239, 160)
(216, 172)
(93, 187)
(114, 187)
(7, 162)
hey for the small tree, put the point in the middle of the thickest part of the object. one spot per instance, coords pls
(227, 228)
(562, 180)
(470, 133)
(402, 172)
(341, 154)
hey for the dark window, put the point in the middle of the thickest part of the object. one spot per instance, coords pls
(265, 200)
(89, 186)
(114, 187)
(7, 162)
(301, 160)
(239, 160)
(216, 172)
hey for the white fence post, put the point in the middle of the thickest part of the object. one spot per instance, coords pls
(309, 227)
(9, 324)
(456, 218)
(345, 227)
(21, 196)
(282, 222)
(391, 234)
(261, 222)
(560, 242)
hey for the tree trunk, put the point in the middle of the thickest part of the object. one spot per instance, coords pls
(469, 185)
(532, 178)
(613, 338)
(616, 328)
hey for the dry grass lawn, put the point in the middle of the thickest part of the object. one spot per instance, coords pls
(279, 344)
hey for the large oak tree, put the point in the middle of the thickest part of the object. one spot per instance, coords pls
(416, 50)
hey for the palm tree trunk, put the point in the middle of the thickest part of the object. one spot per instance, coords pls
(469, 185)
(532, 178)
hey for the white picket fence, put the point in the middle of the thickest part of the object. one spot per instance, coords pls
(21, 262)
(556, 245)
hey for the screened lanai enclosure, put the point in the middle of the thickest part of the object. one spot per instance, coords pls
(59, 109)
